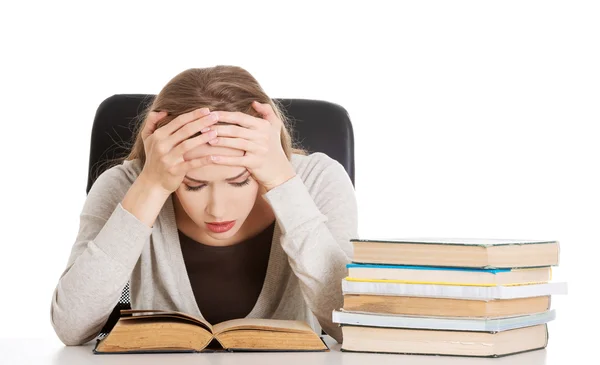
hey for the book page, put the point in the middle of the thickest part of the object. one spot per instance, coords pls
(454, 291)
(277, 325)
(157, 313)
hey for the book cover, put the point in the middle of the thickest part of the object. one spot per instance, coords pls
(206, 350)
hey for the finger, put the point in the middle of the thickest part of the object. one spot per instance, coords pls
(185, 166)
(231, 160)
(177, 153)
(184, 119)
(151, 120)
(237, 143)
(192, 128)
(243, 119)
(267, 112)
(237, 132)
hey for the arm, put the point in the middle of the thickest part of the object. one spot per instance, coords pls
(108, 245)
(316, 236)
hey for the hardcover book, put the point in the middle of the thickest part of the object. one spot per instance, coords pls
(145, 331)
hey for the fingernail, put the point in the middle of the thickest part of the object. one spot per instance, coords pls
(213, 134)
(212, 141)
(205, 130)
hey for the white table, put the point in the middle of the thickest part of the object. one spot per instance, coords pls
(41, 351)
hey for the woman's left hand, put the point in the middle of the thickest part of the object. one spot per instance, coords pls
(260, 139)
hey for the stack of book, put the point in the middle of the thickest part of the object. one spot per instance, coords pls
(462, 297)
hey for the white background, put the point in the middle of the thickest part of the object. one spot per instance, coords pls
(471, 118)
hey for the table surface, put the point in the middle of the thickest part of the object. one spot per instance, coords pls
(42, 351)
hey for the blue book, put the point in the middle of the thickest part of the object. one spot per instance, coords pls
(413, 267)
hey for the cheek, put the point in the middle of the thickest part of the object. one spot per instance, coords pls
(245, 197)
(192, 202)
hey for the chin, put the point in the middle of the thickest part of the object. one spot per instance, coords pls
(221, 236)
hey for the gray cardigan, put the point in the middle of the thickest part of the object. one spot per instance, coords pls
(316, 215)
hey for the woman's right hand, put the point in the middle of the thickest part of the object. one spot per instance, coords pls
(165, 146)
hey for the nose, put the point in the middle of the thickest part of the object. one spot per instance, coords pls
(216, 207)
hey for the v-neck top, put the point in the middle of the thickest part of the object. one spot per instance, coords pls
(227, 280)
(316, 216)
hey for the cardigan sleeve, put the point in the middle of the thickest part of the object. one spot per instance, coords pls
(108, 244)
(317, 225)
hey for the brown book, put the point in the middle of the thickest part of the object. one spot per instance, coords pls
(443, 342)
(453, 252)
(445, 307)
(146, 331)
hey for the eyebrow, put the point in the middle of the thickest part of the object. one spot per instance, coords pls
(228, 179)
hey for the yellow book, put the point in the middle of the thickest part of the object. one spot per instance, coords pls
(448, 275)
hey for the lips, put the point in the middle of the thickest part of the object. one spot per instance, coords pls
(220, 227)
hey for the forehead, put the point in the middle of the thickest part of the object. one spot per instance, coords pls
(213, 172)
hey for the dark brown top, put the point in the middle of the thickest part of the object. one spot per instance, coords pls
(227, 281)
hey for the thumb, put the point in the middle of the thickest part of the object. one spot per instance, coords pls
(151, 120)
(267, 113)
(261, 108)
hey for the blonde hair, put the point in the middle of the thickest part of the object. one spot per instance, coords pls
(227, 88)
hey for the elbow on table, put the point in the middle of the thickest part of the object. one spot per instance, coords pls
(72, 332)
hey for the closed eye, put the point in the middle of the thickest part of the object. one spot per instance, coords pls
(236, 184)
(245, 182)
(194, 188)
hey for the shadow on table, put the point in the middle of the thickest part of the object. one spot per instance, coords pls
(537, 357)
(75, 355)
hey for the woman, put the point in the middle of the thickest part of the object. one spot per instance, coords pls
(213, 213)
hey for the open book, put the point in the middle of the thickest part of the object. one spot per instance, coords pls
(144, 331)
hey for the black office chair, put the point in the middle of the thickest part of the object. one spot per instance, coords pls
(318, 126)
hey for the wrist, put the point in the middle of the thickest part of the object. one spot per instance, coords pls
(151, 187)
(281, 180)
(144, 200)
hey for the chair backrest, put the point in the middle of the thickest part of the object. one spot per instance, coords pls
(318, 126)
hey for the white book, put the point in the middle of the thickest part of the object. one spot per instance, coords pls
(454, 291)
(442, 323)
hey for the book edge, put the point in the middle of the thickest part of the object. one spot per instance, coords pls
(437, 243)
(491, 292)
(442, 354)
(488, 325)
(326, 349)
